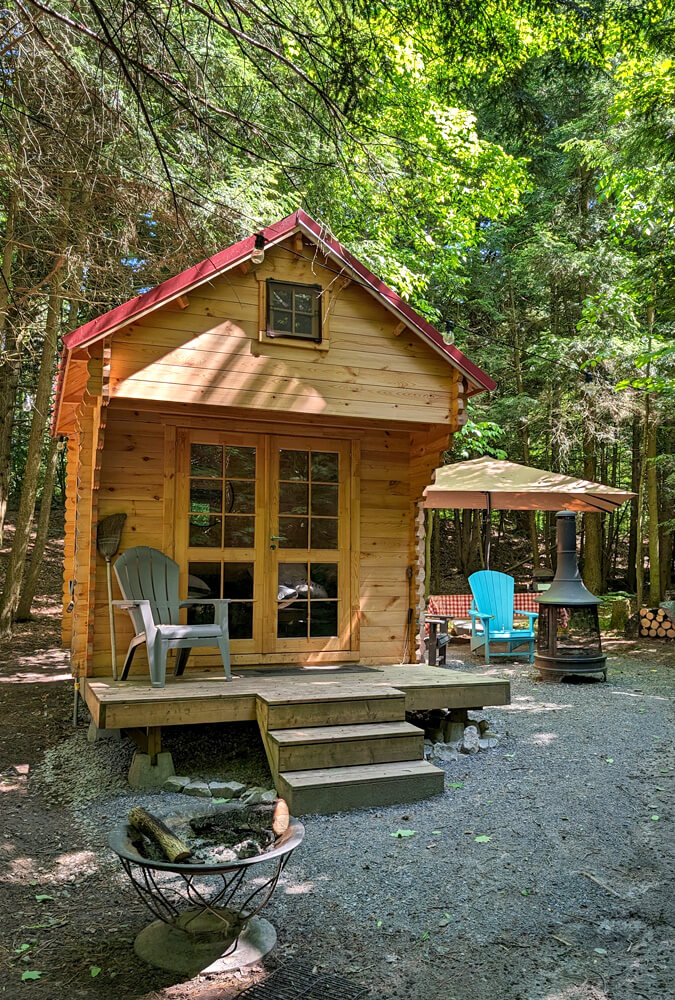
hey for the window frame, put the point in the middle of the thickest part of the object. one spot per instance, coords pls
(317, 318)
(283, 339)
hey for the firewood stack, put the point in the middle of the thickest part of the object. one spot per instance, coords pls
(656, 623)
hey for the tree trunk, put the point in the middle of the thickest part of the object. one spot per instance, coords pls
(9, 601)
(9, 361)
(634, 480)
(435, 584)
(524, 433)
(41, 534)
(427, 551)
(639, 555)
(653, 516)
(592, 572)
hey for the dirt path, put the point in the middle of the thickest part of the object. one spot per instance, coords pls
(566, 899)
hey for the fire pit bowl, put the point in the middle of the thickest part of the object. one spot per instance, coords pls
(206, 913)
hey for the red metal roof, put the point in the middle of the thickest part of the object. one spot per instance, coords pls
(210, 268)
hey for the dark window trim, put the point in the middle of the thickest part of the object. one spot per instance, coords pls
(290, 334)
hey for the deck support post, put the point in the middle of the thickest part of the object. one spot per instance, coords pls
(148, 739)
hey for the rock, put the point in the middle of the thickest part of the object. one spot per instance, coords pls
(470, 741)
(176, 783)
(144, 774)
(269, 796)
(248, 849)
(198, 788)
(444, 753)
(226, 789)
(253, 796)
(487, 744)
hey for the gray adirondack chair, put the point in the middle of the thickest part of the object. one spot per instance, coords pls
(148, 580)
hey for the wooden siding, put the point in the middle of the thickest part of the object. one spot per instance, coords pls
(138, 477)
(210, 352)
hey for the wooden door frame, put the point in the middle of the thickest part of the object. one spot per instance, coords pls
(301, 647)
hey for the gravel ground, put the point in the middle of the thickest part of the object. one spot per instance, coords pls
(563, 896)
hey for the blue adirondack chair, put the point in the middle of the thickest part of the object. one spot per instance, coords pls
(149, 583)
(492, 616)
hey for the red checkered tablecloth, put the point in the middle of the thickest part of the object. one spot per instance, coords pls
(457, 605)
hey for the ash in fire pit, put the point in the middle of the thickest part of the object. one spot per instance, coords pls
(233, 833)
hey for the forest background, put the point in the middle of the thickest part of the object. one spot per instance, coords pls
(507, 165)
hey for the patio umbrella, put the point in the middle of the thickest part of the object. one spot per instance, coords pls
(490, 484)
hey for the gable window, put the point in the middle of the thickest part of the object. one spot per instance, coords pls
(294, 311)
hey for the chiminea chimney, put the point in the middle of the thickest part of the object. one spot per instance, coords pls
(568, 637)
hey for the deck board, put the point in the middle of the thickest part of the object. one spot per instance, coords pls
(201, 698)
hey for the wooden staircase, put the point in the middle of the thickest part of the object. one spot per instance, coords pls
(330, 752)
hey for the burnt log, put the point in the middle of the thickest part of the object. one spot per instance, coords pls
(160, 833)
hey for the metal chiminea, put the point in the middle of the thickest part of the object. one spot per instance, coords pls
(568, 639)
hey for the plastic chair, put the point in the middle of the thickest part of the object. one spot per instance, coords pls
(492, 616)
(148, 580)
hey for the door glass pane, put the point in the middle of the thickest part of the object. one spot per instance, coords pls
(239, 532)
(292, 621)
(206, 496)
(325, 500)
(203, 581)
(241, 620)
(206, 460)
(238, 580)
(293, 533)
(239, 497)
(293, 498)
(292, 581)
(240, 463)
(205, 530)
(293, 464)
(324, 533)
(324, 580)
(324, 467)
(323, 618)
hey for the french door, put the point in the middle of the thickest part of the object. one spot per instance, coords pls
(308, 589)
(265, 522)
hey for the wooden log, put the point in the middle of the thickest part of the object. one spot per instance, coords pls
(159, 832)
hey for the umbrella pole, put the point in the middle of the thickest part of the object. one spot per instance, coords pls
(488, 528)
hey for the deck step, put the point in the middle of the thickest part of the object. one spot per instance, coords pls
(328, 790)
(309, 706)
(337, 746)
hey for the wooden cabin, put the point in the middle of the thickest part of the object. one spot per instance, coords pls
(267, 423)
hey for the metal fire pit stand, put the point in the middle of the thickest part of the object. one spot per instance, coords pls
(206, 914)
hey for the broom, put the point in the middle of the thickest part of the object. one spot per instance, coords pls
(108, 535)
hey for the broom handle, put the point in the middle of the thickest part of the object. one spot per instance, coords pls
(113, 644)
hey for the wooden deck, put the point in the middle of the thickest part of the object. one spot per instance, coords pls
(334, 738)
(208, 697)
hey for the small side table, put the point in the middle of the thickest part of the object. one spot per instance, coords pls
(439, 637)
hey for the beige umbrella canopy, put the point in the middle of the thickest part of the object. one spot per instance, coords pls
(490, 484)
